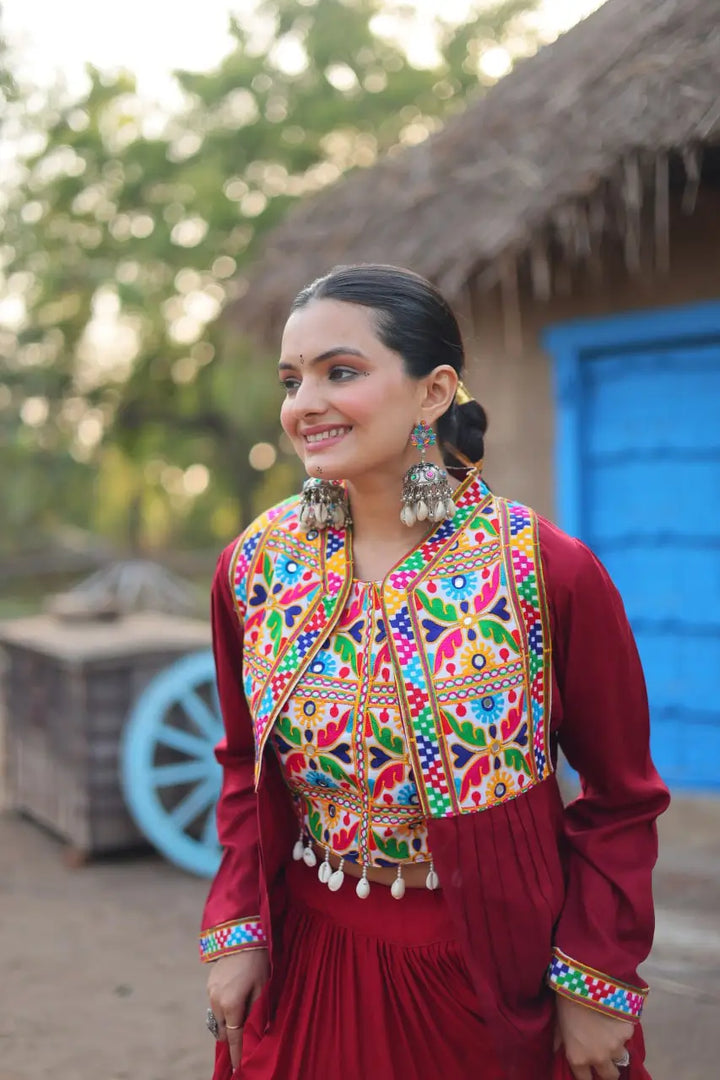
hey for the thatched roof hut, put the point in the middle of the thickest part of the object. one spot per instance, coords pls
(577, 149)
(572, 216)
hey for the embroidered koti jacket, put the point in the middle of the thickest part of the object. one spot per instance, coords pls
(496, 605)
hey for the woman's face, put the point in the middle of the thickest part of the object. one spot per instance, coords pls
(349, 404)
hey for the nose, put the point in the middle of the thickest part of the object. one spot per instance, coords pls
(308, 399)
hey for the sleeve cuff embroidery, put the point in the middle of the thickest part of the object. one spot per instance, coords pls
(592, 988)
(232, 937)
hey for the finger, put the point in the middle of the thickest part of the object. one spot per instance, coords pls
(607, 1071)
(581, 1072)
(235, 1040)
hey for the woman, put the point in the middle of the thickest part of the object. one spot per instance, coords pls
(400, 652)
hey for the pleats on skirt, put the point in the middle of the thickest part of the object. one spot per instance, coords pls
(373, 989)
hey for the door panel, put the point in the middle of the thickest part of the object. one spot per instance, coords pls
(641, 414)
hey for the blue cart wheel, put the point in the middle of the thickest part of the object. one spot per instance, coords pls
(168, 770)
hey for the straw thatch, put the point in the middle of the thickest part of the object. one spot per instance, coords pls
(578, 141)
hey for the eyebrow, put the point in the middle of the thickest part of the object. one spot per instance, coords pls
(338, 350)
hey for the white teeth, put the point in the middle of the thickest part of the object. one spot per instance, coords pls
(333, 433)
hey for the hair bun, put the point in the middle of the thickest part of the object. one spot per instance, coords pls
(463, 429)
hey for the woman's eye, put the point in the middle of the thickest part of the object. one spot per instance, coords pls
(340, 374)
(289, 385)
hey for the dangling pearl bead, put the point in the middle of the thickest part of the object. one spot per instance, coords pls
(398, 886)
(421, 511)
(336, 878)
(432, 880)
(309, 857)
(325, 870)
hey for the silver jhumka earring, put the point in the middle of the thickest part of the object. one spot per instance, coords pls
(426, 492)
(324, 504)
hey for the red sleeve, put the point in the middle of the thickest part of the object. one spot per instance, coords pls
(600, 717)
(231, 920)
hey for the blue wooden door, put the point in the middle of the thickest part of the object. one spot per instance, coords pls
(639, 478)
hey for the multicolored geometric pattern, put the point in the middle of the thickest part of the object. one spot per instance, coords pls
(594, 989)
(342, 746)
(232, 937)
(287, 590)
(468, 632)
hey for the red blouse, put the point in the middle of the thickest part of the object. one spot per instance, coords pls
(530, 883)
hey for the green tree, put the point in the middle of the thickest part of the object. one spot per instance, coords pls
(126, 237)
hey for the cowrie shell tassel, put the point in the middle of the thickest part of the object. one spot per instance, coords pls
(432, 880)
(398, 886)
(298, 849)
(325, 870)
(421, 511)
(336, 878)
(363, 886)
(407, 516)
(309, 857)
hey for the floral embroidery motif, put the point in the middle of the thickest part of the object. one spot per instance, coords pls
(232, 937)
(472, 653)
(594, 989)
(468, 640)
(342, 746)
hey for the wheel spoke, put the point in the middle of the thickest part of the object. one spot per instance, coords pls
(193, 804)
(215, 696)
(192, 745)
(209, 833)
(201, 716)
(183, 772)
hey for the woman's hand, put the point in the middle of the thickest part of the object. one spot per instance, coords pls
(591, 1040)
(234, 984)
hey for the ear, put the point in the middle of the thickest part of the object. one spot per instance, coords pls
(439, 391)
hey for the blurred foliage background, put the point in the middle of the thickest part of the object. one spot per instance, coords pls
(133, 416)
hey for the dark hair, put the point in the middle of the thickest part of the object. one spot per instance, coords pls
(415, 321)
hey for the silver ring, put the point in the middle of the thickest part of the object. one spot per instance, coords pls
(212, 1024)
(622, 1062)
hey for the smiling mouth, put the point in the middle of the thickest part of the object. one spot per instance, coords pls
(321, 437)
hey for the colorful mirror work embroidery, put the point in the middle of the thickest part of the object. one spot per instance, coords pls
(342, 746)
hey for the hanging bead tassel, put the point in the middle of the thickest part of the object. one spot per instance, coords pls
(308, 856)
(325, 870)
(363, 886)
(398, 886)
(432, 881)
(299, 847)
(336, 878)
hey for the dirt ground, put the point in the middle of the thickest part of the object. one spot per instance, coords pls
(100, 981)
